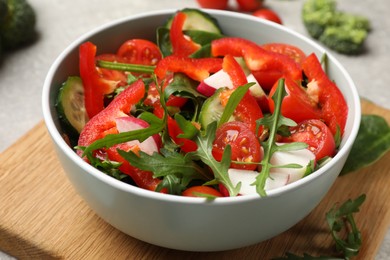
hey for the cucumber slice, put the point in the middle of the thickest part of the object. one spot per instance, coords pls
(197, 20)
(70, 105)
(212, 109)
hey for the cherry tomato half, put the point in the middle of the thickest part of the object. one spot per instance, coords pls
(199, 191)
(245, 146)
(289, 50)
(268, 14)
(213, 4)
(139, 51)
(296, 105)
(317, 135)
(249, 5)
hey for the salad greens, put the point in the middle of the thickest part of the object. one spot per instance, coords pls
(372, 142)
(340, 221)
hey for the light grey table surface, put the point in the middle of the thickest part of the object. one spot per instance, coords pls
(22, 72)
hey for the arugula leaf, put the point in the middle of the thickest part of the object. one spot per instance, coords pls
(273, 122)
(148, 69)
(372, 142)
(341, 219)
(233, 101)
(179, 169)
(156, 125)
(220, 169)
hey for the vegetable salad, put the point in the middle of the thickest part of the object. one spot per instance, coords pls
(199, 113)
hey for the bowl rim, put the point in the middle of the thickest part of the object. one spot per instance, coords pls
(59, 141)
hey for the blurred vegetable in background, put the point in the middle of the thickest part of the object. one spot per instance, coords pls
(17, 24)
(338, 30)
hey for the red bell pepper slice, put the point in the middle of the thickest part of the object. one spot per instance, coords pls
(104, 123)
(95, 86)
(197, 69)
(334, 108)
(234, 70)
(256, 57)
(181, 45)
(248, 110)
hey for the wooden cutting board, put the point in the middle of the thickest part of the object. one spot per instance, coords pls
(41, 216)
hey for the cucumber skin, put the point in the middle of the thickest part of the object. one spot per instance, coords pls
(212, 109)
(204, 15)
(67, 128)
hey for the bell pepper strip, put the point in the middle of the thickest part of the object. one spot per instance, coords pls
(247, 111)
(104, 122)
(234, 70)
(256, 57)
(333, 106)
(95, 86)
(197, 69)
(181, 45)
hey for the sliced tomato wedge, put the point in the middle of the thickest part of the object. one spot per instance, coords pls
(201, 191)
(244, 145)
(139, 51)
(289, 50)
(297, 104)
(317, 135)
(118, 78)
(334, 108)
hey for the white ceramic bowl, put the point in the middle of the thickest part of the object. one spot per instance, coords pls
(186, 223)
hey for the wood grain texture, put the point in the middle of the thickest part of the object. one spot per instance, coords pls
(42, 217)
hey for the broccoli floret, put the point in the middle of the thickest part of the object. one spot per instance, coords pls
(343, 39)
(18, 25)
(340, 31)
(317, 14)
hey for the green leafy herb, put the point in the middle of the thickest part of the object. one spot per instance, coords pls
(220, 169)
(372, 142)
(273, 122)
(233, 101)
(341, 219)
(156, 125)
(179, 169)
(126, 67)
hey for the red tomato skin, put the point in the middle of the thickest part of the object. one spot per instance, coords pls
(249, 5)
(213, 4)
(139, 51)
(192, 191)
(317, 135)
(289, 50)
(268, 14)
(244, 144)
(296, 105)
